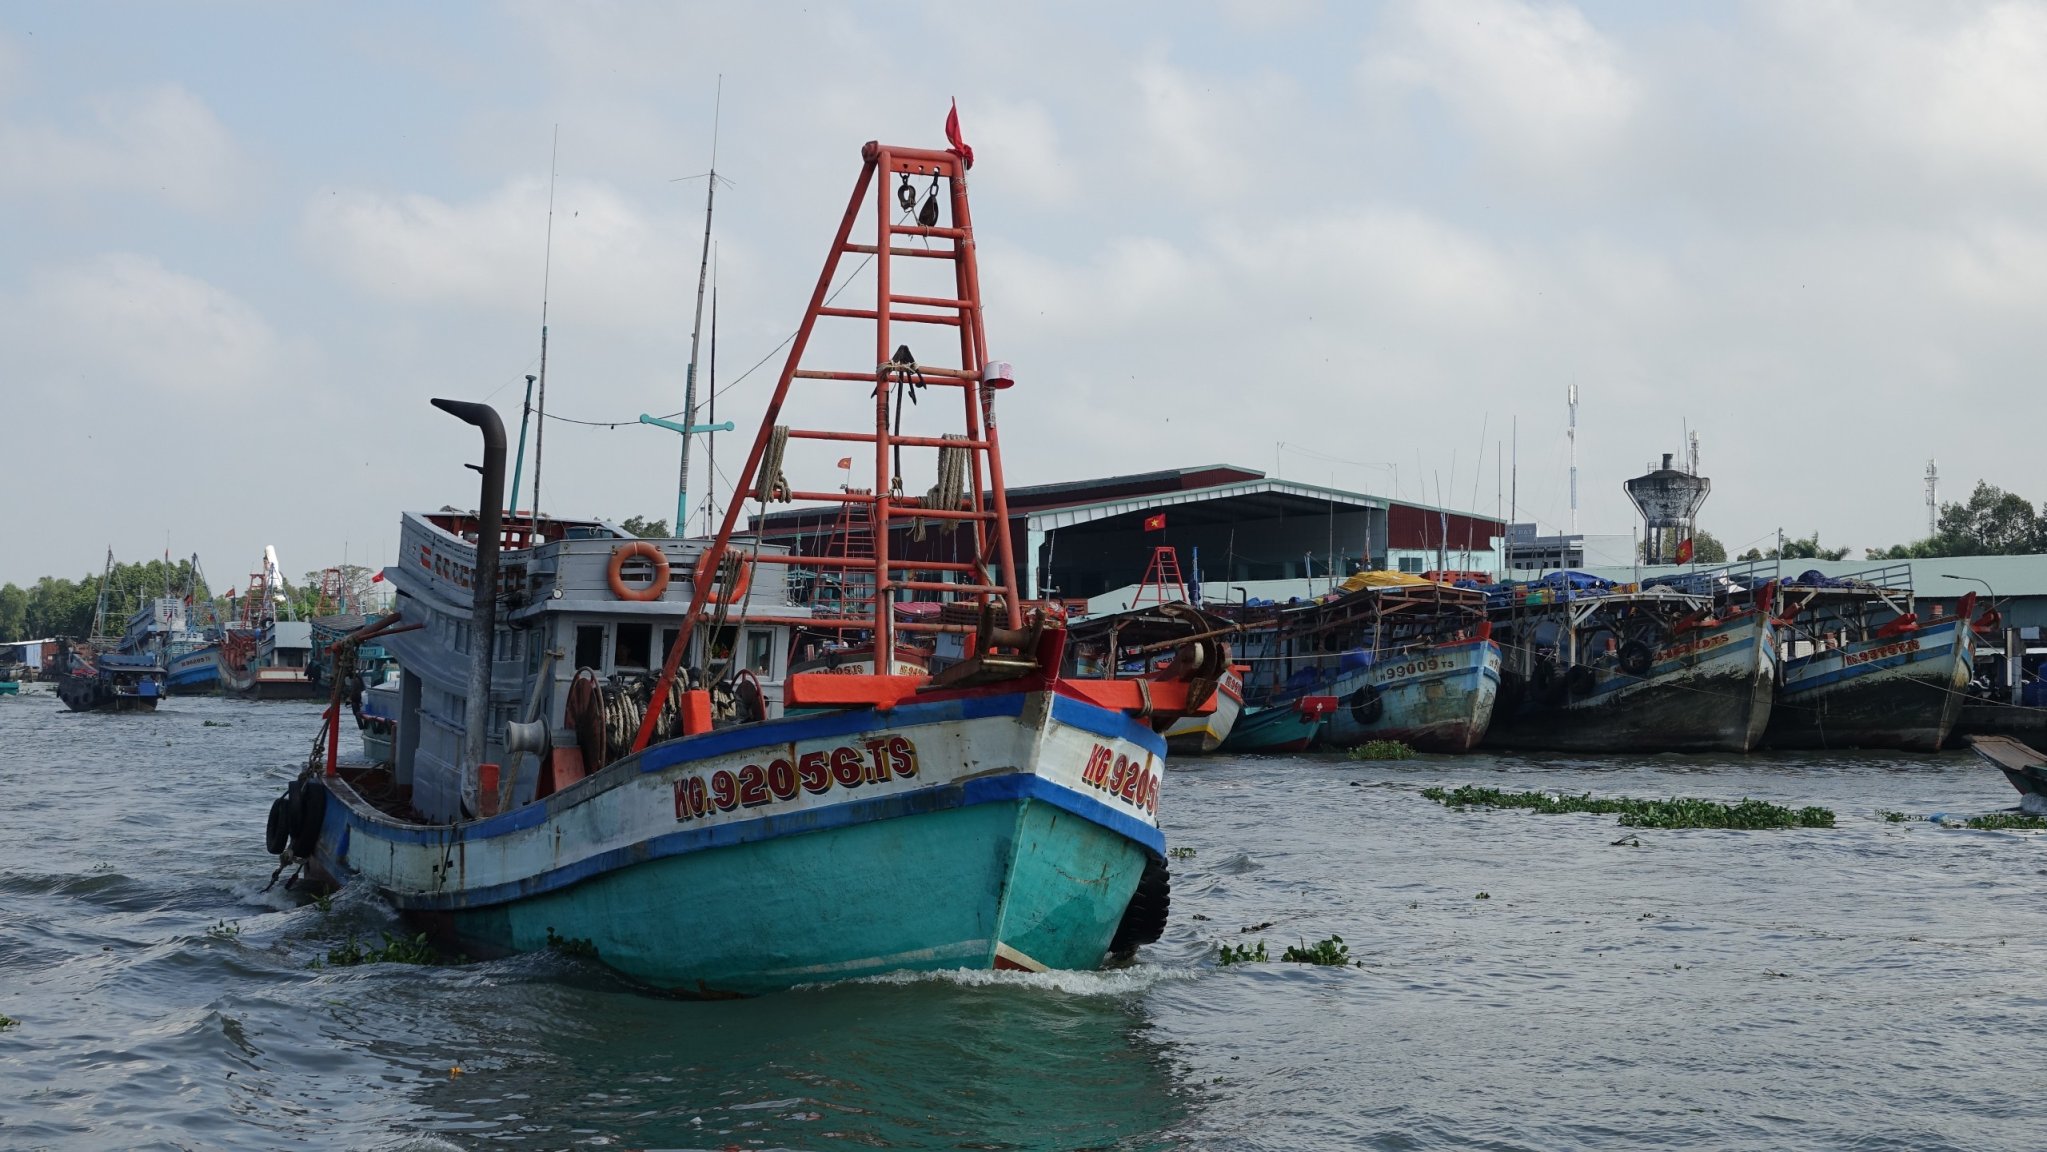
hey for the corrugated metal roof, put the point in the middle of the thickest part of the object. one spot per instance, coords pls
(1940, 577)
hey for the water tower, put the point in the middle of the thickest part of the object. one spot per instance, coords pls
(1669, 501)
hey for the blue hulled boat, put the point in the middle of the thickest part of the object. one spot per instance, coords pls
(600, 738)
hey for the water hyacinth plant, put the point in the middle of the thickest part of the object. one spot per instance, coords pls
(2007, 822)
(1382, 750)
(1677, 812)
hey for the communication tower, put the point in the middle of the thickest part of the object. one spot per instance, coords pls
(1932, 499)
(1572, 435)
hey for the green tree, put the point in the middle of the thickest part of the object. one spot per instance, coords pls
(1991, 522)
(646, 529)
(1807, 548)
(1706, 549)
(13, 615)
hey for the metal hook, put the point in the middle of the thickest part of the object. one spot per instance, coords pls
(906, 195)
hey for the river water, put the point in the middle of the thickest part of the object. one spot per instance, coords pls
(1873, 986)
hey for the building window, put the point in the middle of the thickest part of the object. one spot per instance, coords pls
(1411, 563)
(630, 645)
(590, 646)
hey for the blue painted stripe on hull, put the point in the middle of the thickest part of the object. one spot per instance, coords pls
(986, 790)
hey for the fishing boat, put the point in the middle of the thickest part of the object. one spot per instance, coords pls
(265, 653)
(2021, 764)
(10, 687)
(1688, 664)
(1407, 658)
(1859, 669)
(92, 677)
(760, 829)
(1287, 726)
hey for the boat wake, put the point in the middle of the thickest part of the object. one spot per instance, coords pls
(1107, 982)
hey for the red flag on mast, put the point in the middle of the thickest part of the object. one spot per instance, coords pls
(1155, 523)
(1684, 551)
(952, 133)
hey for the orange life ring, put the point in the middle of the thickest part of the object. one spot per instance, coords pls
(616, 573)
(729, 595)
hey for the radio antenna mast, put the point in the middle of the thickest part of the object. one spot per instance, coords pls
(1571, 434)
(1932, 498)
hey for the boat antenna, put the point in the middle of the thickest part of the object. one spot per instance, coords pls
(689, 388)
(99, 608)
(546, 276)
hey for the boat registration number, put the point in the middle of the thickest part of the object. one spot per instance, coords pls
(1125, 777)
(784, 778)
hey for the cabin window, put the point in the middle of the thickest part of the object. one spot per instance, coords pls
(721, 642)
(668, 638)
(760, 652)
(590, 646)
(631, 644)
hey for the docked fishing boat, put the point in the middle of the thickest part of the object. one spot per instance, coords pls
(2021, 764)
(1859, 669)
(1389, 656)
(1686, 665)
(620, 757)
(91, 677)
(162, 630)
(1142, 643)
(264, 653)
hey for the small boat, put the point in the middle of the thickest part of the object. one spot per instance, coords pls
(730, 828)
(1142, 643)
(1288, 726)
(10, 687)
(1685, 664)
(1859, 669)
(2024, 767)
(91, 678)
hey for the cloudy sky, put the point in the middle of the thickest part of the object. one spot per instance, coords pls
(1353, 243)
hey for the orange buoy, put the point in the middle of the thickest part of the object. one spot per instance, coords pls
(732, 594)
(653, 589)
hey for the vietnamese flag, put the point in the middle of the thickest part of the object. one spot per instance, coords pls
(952, 135)
(845, 461)
(1684, 551)
(378, 578)
(1155, 523)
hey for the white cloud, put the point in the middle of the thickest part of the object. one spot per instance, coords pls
(1538, 86)
(160, 141)
(128, 325)
(625, 266)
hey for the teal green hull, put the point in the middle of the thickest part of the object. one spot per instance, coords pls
(973, 887)
(1277, 728)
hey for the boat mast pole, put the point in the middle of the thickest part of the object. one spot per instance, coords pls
(689, 388)
(711, 434)
(546, 271)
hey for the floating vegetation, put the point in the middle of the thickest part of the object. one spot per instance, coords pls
(1259, 927)
(217, 724)
(225, 930)
(570, 947)
(1332, 952)
(1891, 816)
(2006, 821)
(395, 951)
(1677, 812)
(324, 902)
(1241, 954)
(7, 1022)
(1382, 750)
(1483, 896)
(1180, 853)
